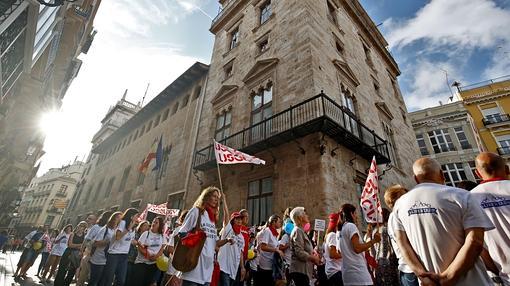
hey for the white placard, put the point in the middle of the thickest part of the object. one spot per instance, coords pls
(319, 225)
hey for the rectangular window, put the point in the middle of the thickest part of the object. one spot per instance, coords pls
(228, 69)
(377, 89)
(165, 115)
(368, 55)
(123, 181)
(388, 134)
(234, 38)
(265, 12)
(49, 220)
(332, 13)
(464, 143)
(164, 164)
(492, 115)
(472, 166)
(263, 45)
(261, 109)
(98, 190)
(504, 144)
(198, 90)
(156, 122)
(175, 201)
(422, 145)
(149, 126)
(185, 101)
(223, 124)
(260, 200)
(109, 187)
(441, 141)
(453, 173)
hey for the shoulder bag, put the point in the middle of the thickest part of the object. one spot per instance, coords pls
(188, 248)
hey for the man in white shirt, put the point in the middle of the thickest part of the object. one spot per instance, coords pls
(493, 195)
(440, 229)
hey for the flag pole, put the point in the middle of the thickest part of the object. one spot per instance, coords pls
(225, 208)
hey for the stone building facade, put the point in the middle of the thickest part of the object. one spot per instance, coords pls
(306, 85)
(112, 179)
(46, 197)
(39, 48)
(446, 134)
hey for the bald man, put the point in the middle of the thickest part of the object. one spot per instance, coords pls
(440, 230)
(493, 195)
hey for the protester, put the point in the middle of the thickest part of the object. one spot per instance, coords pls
(33, 247)
(59, 246)
(268, 246)
(48, 239)
(352, 247)
(207, 207)
(253, 263)
(493, 195)
(3, 240)
(440, 230)
(171, 272)
(245, 231)
(150, 246)
(332, 255)
(385, 272)
(142, 227)
(100, 248)
(230, 256)
(406, 275)
(117, 257)
(71, 257)
(92, 231)
(302, 259)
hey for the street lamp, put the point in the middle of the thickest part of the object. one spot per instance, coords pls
(54, 3)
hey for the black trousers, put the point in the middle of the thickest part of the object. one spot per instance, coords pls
(264, 277)
(142, 274)
(299, 279)
(66, 270)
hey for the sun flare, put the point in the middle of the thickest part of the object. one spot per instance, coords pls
(50, 122)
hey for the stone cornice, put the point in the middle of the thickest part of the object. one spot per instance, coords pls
(486, 98)
(436, 120)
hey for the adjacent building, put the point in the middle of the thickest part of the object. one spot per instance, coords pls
(46, 197)
(446, 134)
(39, 48)
(488, 103)
(307, 85)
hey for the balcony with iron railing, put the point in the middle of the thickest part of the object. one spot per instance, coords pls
(7, 7)
(227, 6)
(504, 151)
(317, 114)
(496, 119)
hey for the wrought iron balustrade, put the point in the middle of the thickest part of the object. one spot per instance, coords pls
(317, 114)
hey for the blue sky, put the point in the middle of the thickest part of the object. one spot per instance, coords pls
(140, 42)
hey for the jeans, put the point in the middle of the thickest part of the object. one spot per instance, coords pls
(408, 279)
(336, 279)
(225, 279)
(44, 258)
(96, 272)
(299, 279)
(116, 265)
(190, 283)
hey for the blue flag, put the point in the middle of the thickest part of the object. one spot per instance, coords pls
(159, 154)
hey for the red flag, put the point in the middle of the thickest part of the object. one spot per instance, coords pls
(151, 156)
(370, 203)
(227, 155)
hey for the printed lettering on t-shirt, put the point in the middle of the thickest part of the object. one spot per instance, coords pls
(495, 202)
(209, 229)
(420, 208)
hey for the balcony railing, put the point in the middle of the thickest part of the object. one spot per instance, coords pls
(504, 150)
(317, 114)
(223, 10)
(7, 7)
(497, 118)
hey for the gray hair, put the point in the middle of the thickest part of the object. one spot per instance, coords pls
(296, 213)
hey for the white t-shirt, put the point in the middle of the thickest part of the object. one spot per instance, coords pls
(332, 265)
(266, 258)
(434, 218)
(171, 242)
(99, 255)
(122, 245)
(153, 242)
(60, 244)
(494, 198)
(402, 265)
(92, 232)
(203, 272)
(354, 265)
(229, 255)
(288, 252)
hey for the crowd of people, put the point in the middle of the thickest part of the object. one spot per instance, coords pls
(433, 234)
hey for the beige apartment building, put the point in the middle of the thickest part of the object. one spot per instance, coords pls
(447, 134)
(46, 197)
(308, 86)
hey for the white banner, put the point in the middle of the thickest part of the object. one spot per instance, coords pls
(370, 203)
(227, 155)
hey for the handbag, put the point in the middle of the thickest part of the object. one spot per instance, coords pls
(188, 248)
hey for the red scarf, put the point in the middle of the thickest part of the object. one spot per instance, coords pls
(273, 231)
(493, 180)
(212, 214)
(236, 228)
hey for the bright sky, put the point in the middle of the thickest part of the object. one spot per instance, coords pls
(155, 41)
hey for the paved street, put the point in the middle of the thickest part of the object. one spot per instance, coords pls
(8, 267)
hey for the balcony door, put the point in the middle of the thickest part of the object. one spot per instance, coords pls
(504, 144)
(262, 108)
(492, 115)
